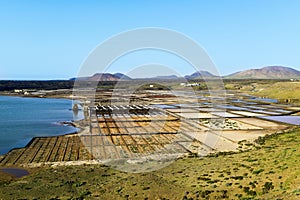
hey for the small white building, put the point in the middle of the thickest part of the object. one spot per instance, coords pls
(18, 91)
(189, 84)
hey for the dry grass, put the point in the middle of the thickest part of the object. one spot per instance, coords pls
(269, 171)
(280, 90)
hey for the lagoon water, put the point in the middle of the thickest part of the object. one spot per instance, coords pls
(21, 119)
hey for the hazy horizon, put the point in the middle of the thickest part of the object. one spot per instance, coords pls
(135, 75)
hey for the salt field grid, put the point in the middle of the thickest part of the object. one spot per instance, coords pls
(152, 125)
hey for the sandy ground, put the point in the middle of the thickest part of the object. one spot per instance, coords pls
(262, 123)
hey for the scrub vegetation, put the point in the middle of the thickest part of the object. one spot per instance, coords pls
(270, 170)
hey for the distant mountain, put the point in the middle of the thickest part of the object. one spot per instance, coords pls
(270, 72)
(122, 76)
(165, 77)
(104, 77)
(200, 74)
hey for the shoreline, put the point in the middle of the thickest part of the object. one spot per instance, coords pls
(54, 94)
(71, 123)
(33, 138)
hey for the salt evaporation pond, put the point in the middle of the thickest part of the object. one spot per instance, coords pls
(294, 120)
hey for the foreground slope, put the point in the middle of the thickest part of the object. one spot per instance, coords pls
(268, 171)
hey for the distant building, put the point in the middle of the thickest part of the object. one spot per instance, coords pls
(189, 84)
(18, 91)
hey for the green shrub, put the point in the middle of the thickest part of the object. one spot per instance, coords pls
(258, 171)
(267, 187)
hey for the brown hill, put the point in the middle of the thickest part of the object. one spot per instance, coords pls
(270, 72)
(200, 75)
(103, 77)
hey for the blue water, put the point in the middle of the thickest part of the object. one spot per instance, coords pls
(268, 100)
(295, 120)
(21, 119)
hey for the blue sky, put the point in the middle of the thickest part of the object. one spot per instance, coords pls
(51, 39)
